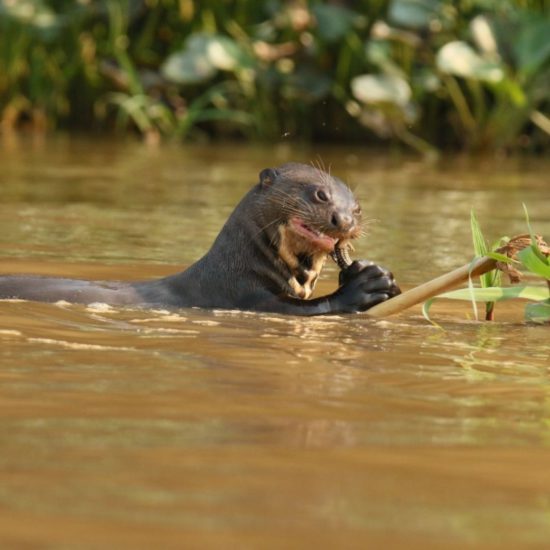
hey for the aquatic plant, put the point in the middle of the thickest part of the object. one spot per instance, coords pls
(428, 73)
(528, 253)
(491, 278)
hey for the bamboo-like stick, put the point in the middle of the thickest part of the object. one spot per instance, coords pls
(432, 288)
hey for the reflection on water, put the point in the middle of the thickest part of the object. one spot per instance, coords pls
(221, 429)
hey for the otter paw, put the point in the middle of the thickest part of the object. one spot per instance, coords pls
(363, 285)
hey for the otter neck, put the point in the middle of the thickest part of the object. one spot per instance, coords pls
(303, 263)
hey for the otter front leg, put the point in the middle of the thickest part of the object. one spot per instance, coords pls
(363, 285)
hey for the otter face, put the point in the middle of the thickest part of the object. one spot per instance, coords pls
(316, 207)
(311, 211)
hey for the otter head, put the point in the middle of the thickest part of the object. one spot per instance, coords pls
(306, 211)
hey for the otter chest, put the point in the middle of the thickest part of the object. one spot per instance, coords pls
(303, 262)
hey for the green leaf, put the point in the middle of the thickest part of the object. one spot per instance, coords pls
(539, 312)
(416, 14)
(500, 257)
(531, 46)
(333, 21)
(528, 222)
(32, 17)
(188, 68)
(531, 260)
(381, 88)
(491, 294)
(484, 35)
(203, 55)
(460, 59)
(31, 12)
(496, 293)
(491, 278)
(379, 53)
(534, 244)
(480, 245)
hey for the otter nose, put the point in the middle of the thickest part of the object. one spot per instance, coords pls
(342, 220)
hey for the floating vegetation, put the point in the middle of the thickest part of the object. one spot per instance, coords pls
(522, 255)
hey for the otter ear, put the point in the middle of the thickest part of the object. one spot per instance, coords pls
(267, 177)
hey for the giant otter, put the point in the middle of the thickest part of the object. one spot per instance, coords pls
(267, 257)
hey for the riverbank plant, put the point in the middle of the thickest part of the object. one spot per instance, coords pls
(524, 256)
(470, 74)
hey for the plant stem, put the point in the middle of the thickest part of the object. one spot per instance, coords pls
(432, 288)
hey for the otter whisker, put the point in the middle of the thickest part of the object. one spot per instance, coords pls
(280, 192)
(368, 222)
(318, 164)
(291, 210)
(263, 228)
(299, 205)
(272, 238)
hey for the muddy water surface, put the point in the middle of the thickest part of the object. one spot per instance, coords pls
(123, 427)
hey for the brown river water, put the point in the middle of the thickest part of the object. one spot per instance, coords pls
(215, 429)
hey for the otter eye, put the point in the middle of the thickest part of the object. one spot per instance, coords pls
(321, 196)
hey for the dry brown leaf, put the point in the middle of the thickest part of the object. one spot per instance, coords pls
(511, 249)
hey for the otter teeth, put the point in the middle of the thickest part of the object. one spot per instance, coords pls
(314, 231)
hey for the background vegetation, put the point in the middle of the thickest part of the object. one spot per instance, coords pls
(471, 74)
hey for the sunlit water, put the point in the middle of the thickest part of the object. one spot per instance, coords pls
(124, 427)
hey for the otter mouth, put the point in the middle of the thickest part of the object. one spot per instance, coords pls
(314, 236)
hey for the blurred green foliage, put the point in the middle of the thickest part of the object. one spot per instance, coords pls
(472, 74)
